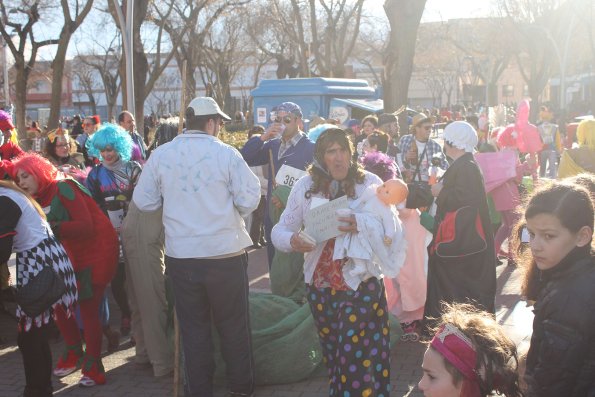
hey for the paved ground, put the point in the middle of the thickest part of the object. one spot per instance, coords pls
(126, 379)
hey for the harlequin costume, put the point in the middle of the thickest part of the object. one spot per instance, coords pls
(92, 245)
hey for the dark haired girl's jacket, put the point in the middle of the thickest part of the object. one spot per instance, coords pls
(561, 359)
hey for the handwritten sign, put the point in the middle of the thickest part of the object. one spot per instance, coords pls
(288, 175)
(321, 222)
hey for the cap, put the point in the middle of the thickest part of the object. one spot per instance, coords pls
(462, 135)
(386, 118)
(419, 118)
(352, 123)
(204, 106)
(290, 107)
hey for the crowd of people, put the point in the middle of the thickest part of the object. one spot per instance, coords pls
(419, 222)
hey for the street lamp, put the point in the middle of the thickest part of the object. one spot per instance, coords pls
(126, 29)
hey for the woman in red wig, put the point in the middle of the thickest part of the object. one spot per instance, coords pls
(92, 245)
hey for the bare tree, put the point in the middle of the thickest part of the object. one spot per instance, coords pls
(534, 25)
(21, 17)
(72, 20)
(85, 77)
(189, 24)
(404, 17)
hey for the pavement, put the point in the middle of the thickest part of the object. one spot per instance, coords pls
(127, 379)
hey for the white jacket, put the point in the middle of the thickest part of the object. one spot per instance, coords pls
(205, 187)
(292, 220)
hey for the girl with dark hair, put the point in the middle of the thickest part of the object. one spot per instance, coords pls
(25, 231)
(560, 275)
(470, 356)
(58, 150)
(352, 323)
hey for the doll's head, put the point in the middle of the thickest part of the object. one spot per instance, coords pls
(392, 192)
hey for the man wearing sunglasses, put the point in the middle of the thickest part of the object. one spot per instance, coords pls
(204, 188)
(418, 149)
(283, 143)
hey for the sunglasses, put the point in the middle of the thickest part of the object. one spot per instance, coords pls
(284, 119)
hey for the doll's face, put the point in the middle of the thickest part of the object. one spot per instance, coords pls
(392, 192)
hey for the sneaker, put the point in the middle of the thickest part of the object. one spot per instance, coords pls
(125, 326)
(93, 373)
(69, 361)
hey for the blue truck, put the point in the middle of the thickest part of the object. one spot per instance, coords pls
(340, 99)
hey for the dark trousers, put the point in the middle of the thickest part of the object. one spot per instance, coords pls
(37, 360)
(216, 289)
(257, 226)
(119, 290)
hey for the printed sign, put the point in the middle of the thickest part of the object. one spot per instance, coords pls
(321, 222)
(288, 175)
(261, 115)
(339, 113)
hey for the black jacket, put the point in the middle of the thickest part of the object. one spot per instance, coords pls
(561, 359)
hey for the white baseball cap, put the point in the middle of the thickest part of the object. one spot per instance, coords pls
(204, 106)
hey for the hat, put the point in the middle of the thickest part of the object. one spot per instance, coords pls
(386, 118)
(205, 106)
(291, 107)
(462, 135)
(419, 118)
(5, 121)
(352, 123)
(96, 119)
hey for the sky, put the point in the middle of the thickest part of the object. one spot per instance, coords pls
(436, 10)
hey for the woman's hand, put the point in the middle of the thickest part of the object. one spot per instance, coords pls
(436, 189)
(298, 244)
(350, 224)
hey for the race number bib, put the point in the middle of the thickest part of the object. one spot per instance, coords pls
(288, 176)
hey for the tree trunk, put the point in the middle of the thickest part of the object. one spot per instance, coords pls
(20, 99)
(404, 17)
(141, 68)
(57, 79)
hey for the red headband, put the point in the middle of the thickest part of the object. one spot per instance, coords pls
(458, 350)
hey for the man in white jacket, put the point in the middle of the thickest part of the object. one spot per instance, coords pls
(205, 188)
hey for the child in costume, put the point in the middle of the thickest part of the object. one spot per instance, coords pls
(405, 293)
(111, 184)
(470, 356)
(92, 246)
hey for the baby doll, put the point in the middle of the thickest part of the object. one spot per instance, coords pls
(378, 201)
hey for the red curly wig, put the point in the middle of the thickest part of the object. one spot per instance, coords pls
(39, 167)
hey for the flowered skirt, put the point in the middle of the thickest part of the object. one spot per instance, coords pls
(29, 263)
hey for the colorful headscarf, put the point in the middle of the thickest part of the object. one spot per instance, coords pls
(458, 350)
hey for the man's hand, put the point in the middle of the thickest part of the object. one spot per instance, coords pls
(276, 202)
(274, 130)
(298, 244)
(350, 224)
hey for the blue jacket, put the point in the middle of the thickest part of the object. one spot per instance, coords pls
(256, 152)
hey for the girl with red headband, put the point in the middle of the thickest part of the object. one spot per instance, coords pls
(92, 245)
(469, 356)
